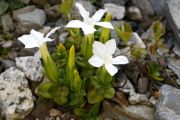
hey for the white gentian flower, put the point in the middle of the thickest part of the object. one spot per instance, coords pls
(89, 22)
(36, 39)
(103, 55)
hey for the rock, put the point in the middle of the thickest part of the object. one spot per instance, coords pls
(22, 11)
(144, 5)
(134, 13)
(117, 2)
(31, 66)
(53, 12)
(24, 1)
(142, 85)
(7, 23)
(124, 51)
(168, 105)
(62, 37)
(87, 5)
(134, 97)
(31, 19)
(54, 112)
(159, 7)
(174, 65)
(7, 63)
(15, 95)
(132, 112)
(6, 44)
(172, 14)
(176, 50)
(117, 11)
(136, 41)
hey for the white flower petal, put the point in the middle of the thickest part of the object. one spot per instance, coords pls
(87, 29)
(105, 24)
(75, 24)
(112, 70)
(52, 31)
(99, 49)
(29, 41)
(98, 15)
(96, 61)
(120, 60)
(36, 34)
(83, 12)
(111, 46)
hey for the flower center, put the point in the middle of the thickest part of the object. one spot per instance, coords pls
(89, 21)
(107, 58)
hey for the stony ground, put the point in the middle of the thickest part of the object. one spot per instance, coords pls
(137, 98)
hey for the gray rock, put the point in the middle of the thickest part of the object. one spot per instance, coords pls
(117, 2)
(174, 65)
(159, 7)
(132, 112)
(136, 41)
(6, 44)
(30, 19)
(124, 51)
(134, 98)
(31, 66)
(7, 23)
(176, 50)
(62, 37)
(22, 11)
(15, 96)
(40, 3)
(168, 105)
(7, 63)
(52, 12)
(172, 14)
(144, 5)
(117, 11)
(142, 85)
(87, 5)
(134, 13)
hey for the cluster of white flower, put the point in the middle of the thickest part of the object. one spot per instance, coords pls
(103, 53)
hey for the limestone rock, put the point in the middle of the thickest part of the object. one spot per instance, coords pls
(168, 104)
(172, 14)
(16, 99)
(31, 66)
(174, 65)
(117, 11)
(144, 5)
(132, 112)
(30, 18)
(134, 13)
(7, 23)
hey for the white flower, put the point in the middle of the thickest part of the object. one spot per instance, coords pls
(103, 56)
(89, 22)
(36, 39)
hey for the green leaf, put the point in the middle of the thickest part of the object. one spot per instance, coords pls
(3, 7)
(79, 111)
(105, 33)
(61, 100)
(94, 97)
(124, 32)
(158, 30)
(109, 93)
(71, 65)
(43, 89)
(76, 83)
(66, 6)
(154, 71)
